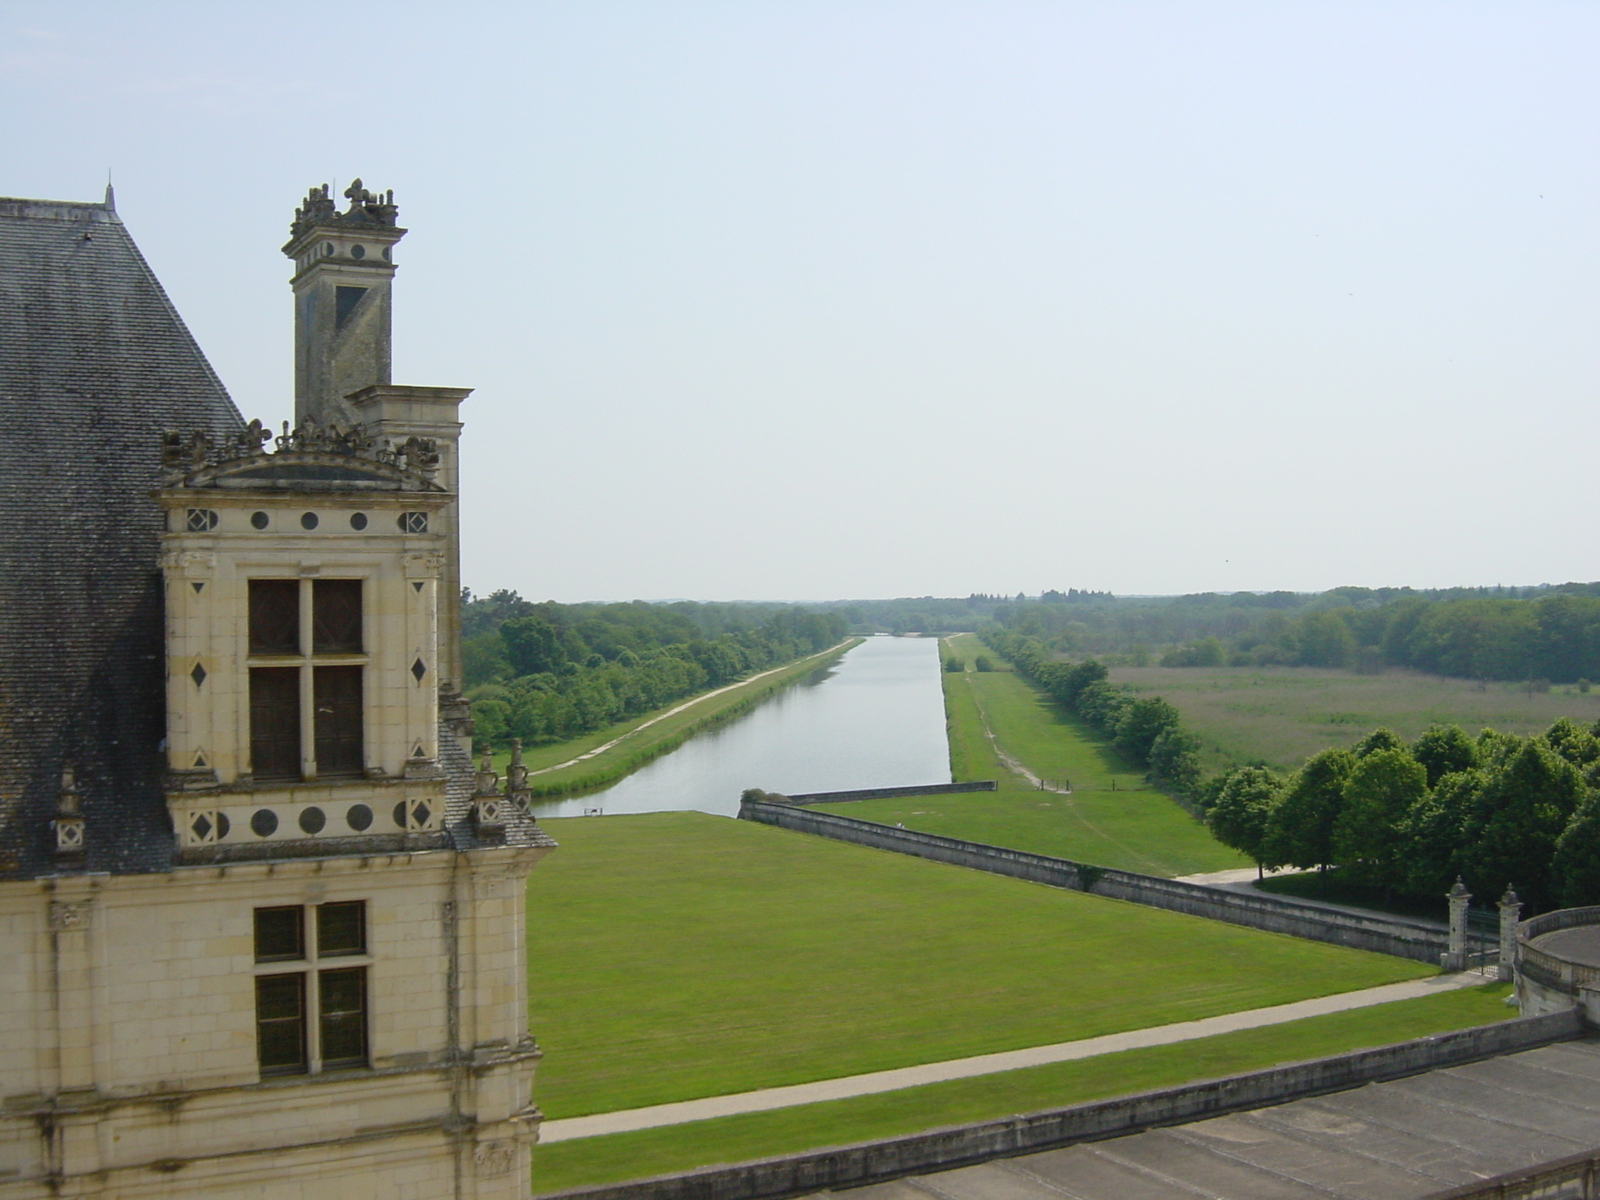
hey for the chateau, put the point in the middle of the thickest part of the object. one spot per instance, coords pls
(262, 922)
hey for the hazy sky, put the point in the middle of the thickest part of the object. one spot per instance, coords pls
(815, 300)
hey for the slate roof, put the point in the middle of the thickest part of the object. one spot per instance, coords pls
(94, 364)
(460, 782)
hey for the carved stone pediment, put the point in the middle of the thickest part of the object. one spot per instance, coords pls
(309, 457)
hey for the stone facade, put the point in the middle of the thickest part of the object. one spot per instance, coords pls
(306, 975)
(128, 1040)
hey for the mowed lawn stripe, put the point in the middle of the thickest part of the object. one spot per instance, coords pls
(679, 955)
(991, 1097)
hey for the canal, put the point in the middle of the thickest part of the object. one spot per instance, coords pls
(875, 718)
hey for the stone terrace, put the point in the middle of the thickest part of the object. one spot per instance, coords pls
(1406, 1139)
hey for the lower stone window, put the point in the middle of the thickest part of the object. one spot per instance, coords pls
(311, 1020)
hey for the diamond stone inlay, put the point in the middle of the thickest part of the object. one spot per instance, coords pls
(418, 670)
(201, 827)
(420, 814)
(198, 674)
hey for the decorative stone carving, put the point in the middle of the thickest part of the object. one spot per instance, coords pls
(184, 454)
(189, 562)
(68, 824)
(319, 210)
(494, 1158)
(68, 916)
(517, 792)
(423, 566)
(488, 806)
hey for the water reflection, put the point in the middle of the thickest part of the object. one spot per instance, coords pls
(876, 719)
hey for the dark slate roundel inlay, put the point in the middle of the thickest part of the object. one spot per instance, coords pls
(400, 814)
(358, 817)
(264, 822)
(308, 520)
(223, 825)
(358, 251)
(358, 520)
(260, 520)
(312, 820)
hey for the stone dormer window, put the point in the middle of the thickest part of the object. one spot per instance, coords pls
(307, 663)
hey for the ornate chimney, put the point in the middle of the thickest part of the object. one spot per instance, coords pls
(344, 266)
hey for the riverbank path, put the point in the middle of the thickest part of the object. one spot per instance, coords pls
(682, 1112)
(687, 704)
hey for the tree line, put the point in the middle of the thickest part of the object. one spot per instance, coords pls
(1148, 731)
(548, 672)
(1546, 633)
(1496, 810)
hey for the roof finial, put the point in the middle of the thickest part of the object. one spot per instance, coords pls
(111, 195)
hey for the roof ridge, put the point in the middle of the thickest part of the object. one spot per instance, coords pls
(177, 320)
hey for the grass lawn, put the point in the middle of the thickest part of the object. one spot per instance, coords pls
(680, 955)
(654, 733)
(1283, 715)
(1112, 818)
(988, 1097)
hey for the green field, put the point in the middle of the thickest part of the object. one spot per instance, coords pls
(679, 955)
(552, 771)
(1112, 818)
(988, 1097)
(1282, 715)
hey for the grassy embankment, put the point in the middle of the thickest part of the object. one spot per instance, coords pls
(1283, 715)
(1112, 818)
(989, 1097)
(679, 955)
(601, 758)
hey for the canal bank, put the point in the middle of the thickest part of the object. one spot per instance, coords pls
(871, 717)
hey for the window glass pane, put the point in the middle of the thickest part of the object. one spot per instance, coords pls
(338, 720)
(281, 1024)
(342, 929)
(274, 616)
(336, 616)
(279, 933)
(344, 1017)
(275, 722)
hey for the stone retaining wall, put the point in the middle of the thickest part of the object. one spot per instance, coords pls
(1385, 935)
(963, 1145)
(1576, 1177)
(931, 789)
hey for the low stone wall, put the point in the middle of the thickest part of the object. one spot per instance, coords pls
(1545, 980)
(1384, 935)
(963, 1145)
(1576, 1177)
(931, 789)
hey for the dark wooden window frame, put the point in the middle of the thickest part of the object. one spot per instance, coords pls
(307, 658)
(314, 1018)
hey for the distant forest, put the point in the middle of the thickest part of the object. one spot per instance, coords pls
(1549, 634)
(547, 672)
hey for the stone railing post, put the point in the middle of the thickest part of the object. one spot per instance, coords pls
(1455, 958)
(1510, 911)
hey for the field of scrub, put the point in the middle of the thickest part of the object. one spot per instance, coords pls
(1282, 715)
(1111, 817)
(679, 955)
(989, 1097)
